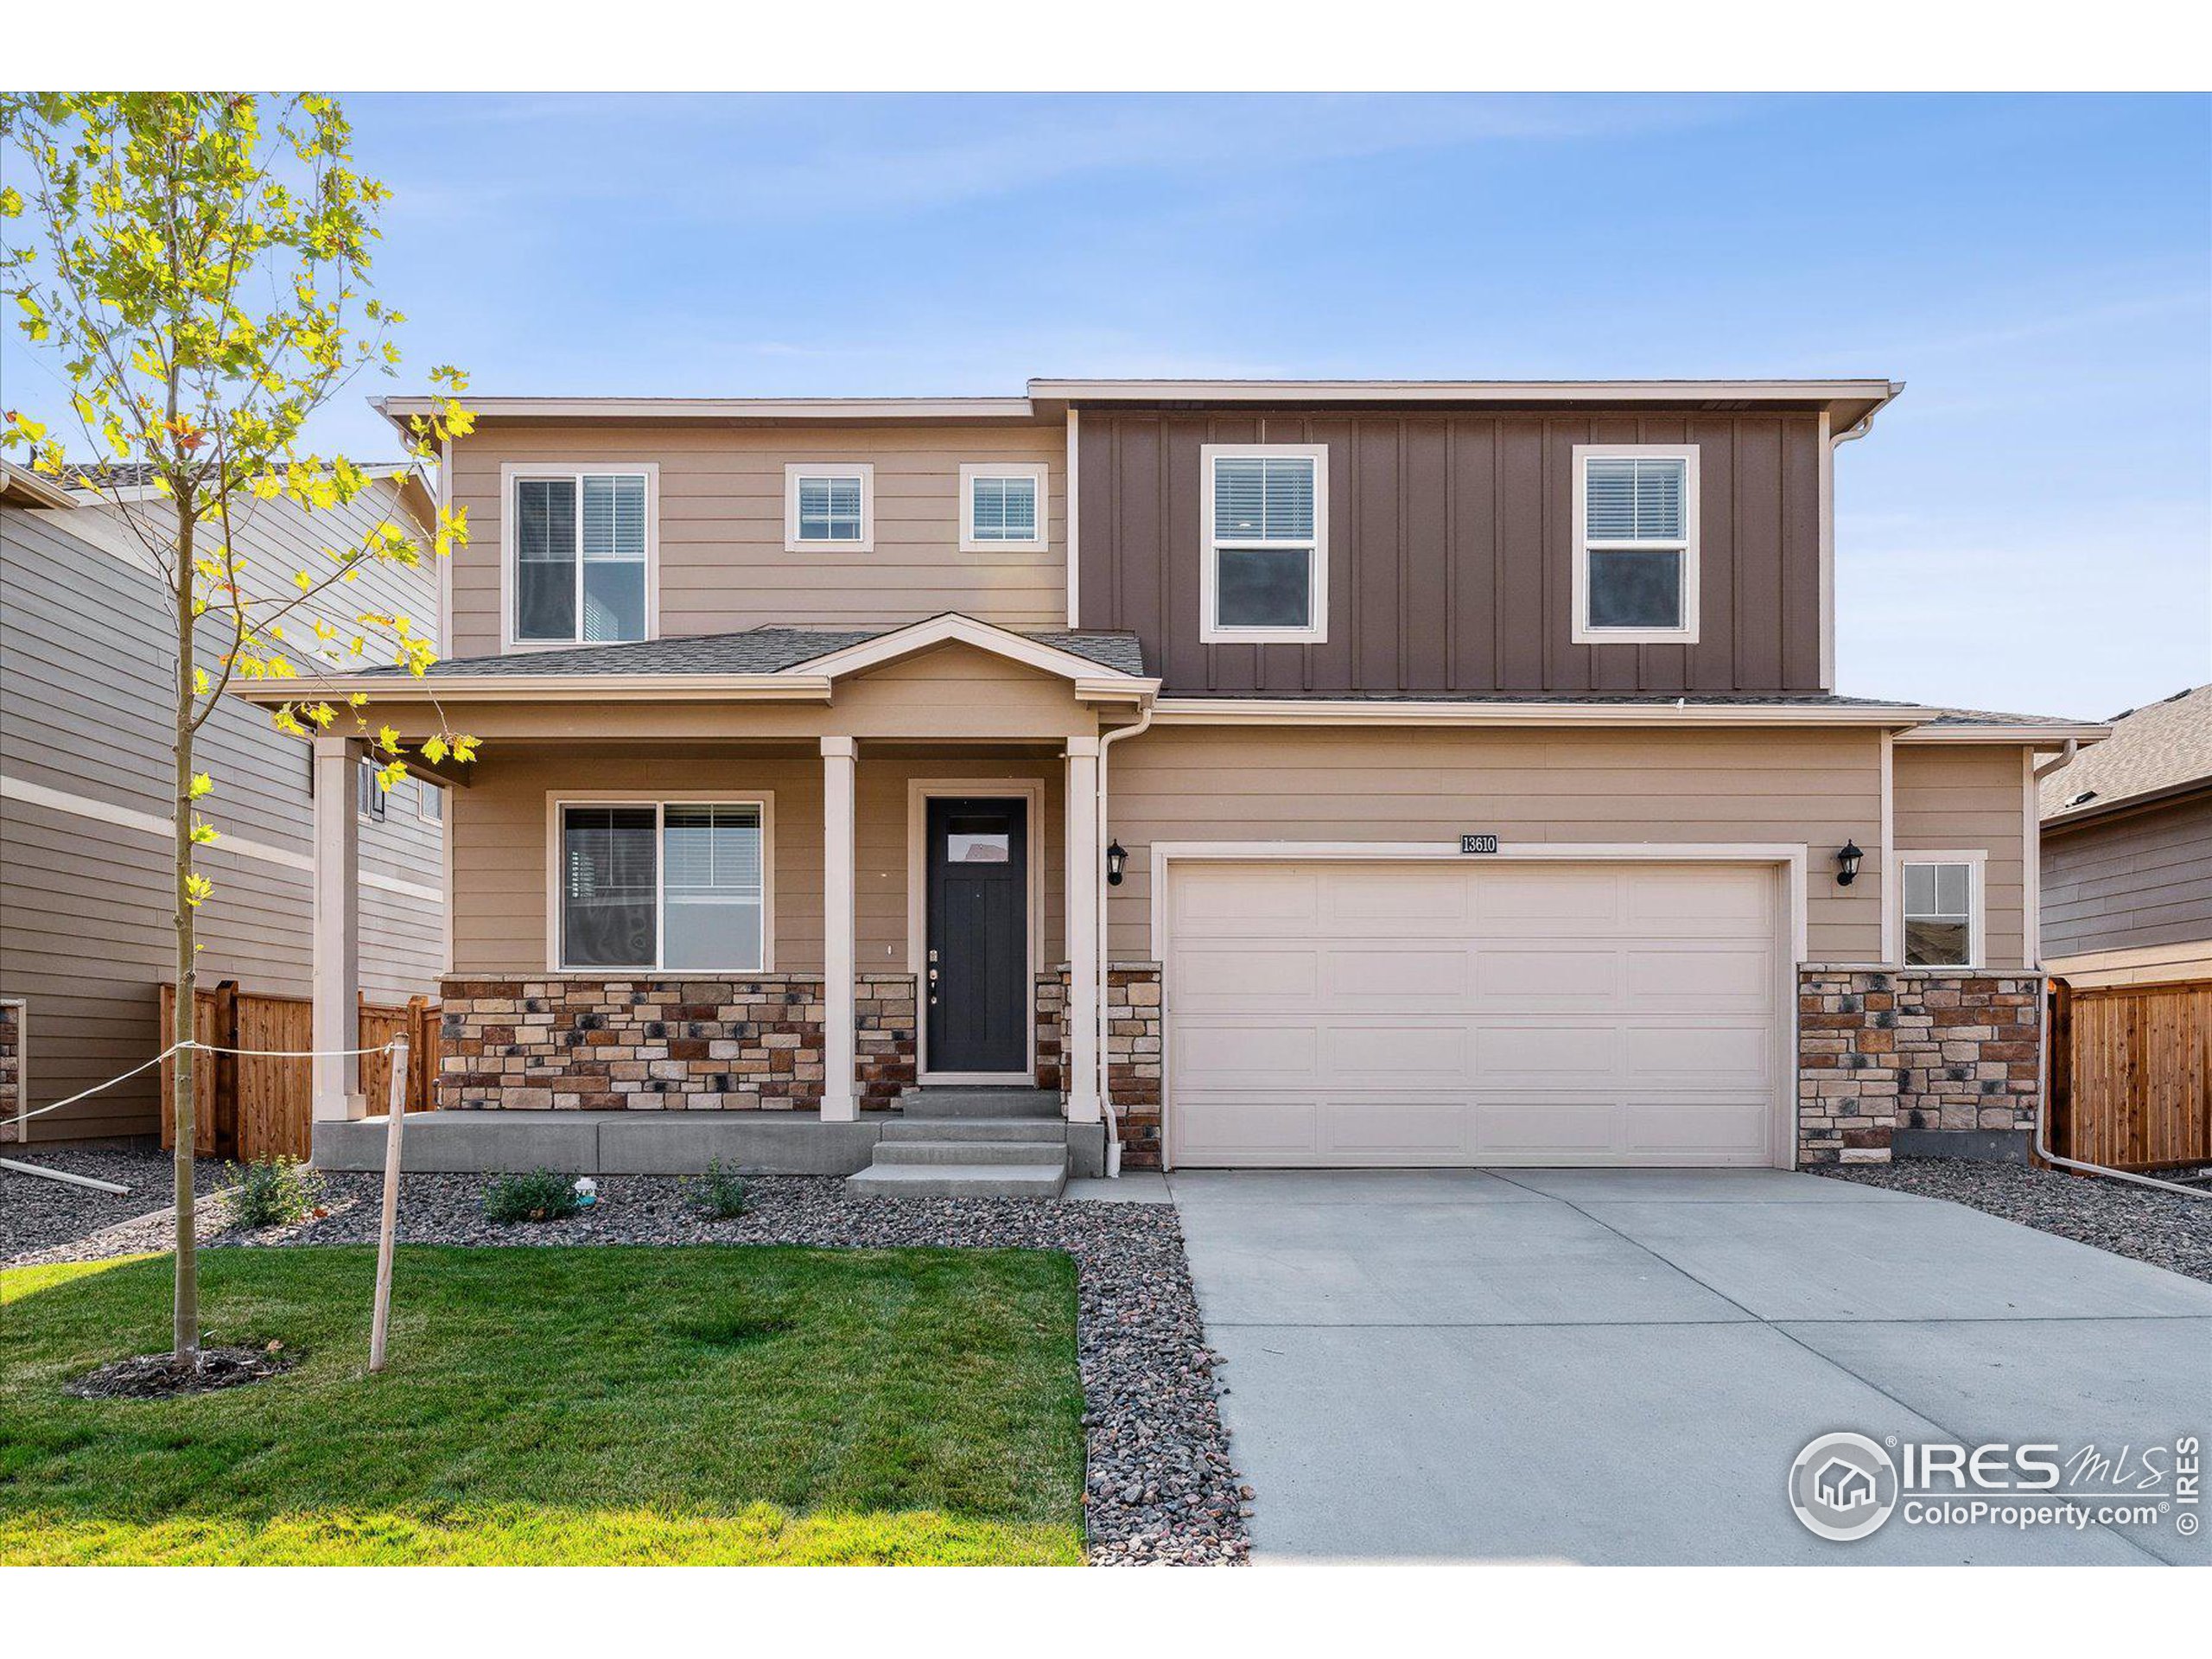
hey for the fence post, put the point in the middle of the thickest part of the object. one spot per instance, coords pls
(2058, 1035)
(380, 1320)
(226, 1070)
(418, 1053)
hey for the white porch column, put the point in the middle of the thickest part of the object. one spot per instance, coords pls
(1081, 1059)
(838, 1045)
(336, 1022)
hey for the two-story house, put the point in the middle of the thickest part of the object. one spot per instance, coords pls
(1286, 773)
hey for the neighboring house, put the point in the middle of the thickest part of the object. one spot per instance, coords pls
(85, 940)
(1455, 769)
(2128, 850)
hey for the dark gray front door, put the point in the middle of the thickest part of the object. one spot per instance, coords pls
(976, 980)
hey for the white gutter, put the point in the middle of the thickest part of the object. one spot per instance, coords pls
(1106, 741)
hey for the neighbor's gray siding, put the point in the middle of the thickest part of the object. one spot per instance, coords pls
(2140, 880)
(85, 906)
(1450, 547)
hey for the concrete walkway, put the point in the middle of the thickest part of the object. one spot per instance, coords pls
(1619, 1366)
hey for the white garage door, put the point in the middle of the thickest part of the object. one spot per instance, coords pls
(1446, 1013)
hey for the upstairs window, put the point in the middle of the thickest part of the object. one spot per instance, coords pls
(829, 506)
(429, 801)
(1942, 911)
(1636, 543)
(1265, 575)
(1002, 508)
(582, 544)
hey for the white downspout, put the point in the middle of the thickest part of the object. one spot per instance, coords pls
(1106, 741)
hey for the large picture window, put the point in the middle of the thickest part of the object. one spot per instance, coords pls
(1636, 545)
(669, 886)
(581, 556)
(1265, 577)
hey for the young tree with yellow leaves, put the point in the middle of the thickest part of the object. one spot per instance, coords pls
(199, 262)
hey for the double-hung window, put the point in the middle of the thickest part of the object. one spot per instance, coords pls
(1941, 898)
(656, 885)
(581, 555)
(369, 793)
(1266, 539)
(1002, 507)
(829, 506)
(1635, 554)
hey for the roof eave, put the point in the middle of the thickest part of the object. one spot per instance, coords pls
(2100, 811)
(1849, 401)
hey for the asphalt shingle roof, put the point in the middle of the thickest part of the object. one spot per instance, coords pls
(2159, 746)
(756, 651)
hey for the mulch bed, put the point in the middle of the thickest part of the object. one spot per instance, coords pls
(163, 1376)
(2164, 1229)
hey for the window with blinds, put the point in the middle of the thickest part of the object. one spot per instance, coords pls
(1002, 508)
(669, 886)
(1265, 564)
(1636, 569)
(579, 558)
(832, 507)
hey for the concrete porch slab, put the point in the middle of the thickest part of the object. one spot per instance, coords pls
(634, 1143)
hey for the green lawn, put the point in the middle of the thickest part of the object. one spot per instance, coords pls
(559, 1405)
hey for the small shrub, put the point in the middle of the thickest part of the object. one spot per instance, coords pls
(719, 1192)
(542, 1195)
(273, 1193)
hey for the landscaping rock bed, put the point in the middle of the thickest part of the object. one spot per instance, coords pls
(2164, 1229)
(53, 1221)
(162, 1377)
(1158, 1486)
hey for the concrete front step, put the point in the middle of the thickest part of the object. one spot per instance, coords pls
(960, 1181)
(1038, 1129)
(971, 1152)
(980, 1102)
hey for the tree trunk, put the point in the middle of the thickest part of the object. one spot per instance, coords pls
(186, 1330)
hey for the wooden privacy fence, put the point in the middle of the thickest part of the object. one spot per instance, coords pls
(252, 1106)
(2131, 1074)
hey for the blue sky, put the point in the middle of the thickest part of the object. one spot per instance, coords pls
(2029, 527)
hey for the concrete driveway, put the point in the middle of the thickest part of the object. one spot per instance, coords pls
(1619, 1366)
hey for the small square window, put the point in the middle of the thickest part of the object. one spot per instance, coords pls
(1002, 508)
(1265, 577)
(830, 507)
(429, 801)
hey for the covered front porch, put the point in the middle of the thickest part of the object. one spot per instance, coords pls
(692, 919)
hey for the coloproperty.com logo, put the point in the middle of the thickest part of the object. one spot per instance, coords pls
(1846, 1486)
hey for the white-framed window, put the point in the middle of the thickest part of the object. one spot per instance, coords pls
(429, 801)
(1939, 900)
(370, 797)
(677, 885)
(829, 505)
(1002, 507)
(580, 545)
(1636, 543)
(1264, 578)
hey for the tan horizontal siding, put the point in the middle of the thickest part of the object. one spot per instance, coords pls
(722, 565)
(2128, 883)
(85, 929)
(500, 852)
(1271, 784)
(1968, 796)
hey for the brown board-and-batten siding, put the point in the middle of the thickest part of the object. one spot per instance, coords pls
(1450, 552)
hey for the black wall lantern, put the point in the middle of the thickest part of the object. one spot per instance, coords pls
(1847, 863)
(1117, 860)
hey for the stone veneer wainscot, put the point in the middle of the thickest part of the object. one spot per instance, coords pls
(11, 1067)
(726, 1042)
(1880, 1050)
